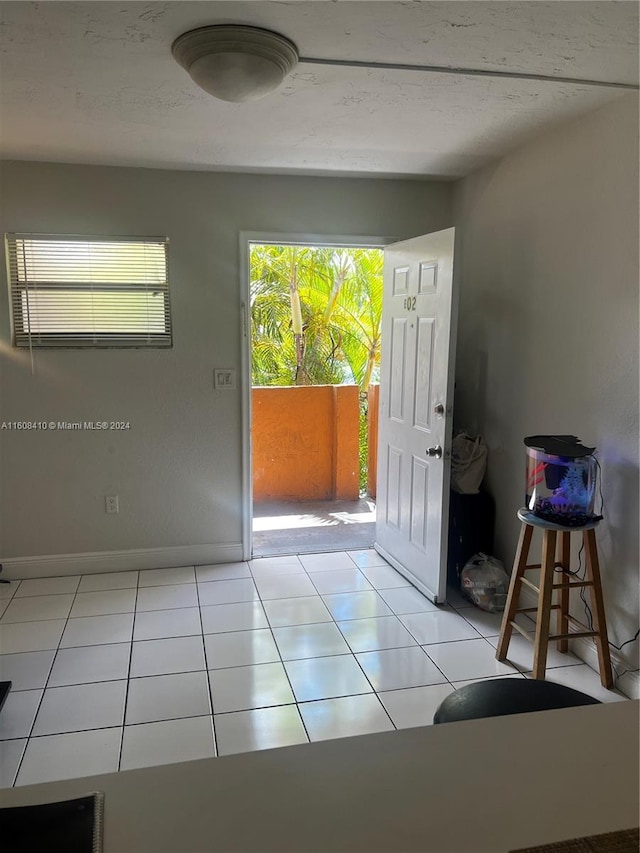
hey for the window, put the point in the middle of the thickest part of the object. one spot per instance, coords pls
(88, 291)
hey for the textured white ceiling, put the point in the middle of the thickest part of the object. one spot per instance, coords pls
(95, 82)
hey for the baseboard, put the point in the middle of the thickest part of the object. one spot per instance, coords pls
(54, 565)
(585, 649)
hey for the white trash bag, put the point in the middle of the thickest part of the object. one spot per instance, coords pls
(468, 463)
(485, 582)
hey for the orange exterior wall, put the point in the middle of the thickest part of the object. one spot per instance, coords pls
(373, 398)
(305, 443)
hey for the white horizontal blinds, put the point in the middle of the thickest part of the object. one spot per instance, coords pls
(89, 291)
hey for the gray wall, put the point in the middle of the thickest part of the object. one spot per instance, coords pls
(178, 470)
(548, 337)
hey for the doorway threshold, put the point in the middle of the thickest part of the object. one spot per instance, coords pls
(307, 527)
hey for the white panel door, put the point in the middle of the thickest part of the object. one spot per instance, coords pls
(416, 409)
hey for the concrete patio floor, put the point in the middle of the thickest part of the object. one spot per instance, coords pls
(307, 527)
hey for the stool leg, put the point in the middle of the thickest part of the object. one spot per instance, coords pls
(541, 641)
(563, 612)
(597, 603)
(519, 564)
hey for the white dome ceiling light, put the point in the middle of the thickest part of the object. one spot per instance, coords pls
(242, 63)
(236, 63)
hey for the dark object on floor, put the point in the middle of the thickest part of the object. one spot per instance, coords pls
(499, 697)
(471, 523)
(72, 826)
(624, 841)
(5, 687)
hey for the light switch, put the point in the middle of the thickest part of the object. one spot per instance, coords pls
(224, 378)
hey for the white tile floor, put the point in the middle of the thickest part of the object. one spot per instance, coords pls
(134, 669)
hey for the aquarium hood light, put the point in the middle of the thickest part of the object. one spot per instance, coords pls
(568, 446)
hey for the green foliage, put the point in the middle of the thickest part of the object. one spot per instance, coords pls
(338, 293)
(363, 436)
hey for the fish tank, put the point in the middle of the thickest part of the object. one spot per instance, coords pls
(562, 477)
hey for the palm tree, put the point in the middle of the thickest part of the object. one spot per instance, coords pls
(315, 320)
(359, 313)
(315, 315)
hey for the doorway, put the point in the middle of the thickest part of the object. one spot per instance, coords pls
(312, 329)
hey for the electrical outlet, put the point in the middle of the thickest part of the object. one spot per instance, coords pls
(111, 504)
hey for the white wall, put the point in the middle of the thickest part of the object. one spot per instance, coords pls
(178, 470)
(548, 338)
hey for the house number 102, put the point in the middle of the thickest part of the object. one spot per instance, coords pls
(410, 303)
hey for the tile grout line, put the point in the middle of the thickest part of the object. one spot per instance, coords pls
(223, 604)
(206, 667)
(423, 646)
(218, 580)
(436, 666)
(282, 660)
(516, 671)
(126, 695)
(354, 654)
(284, 668)
(419, 645)
(375, 692)
(44, 689)
(335, 622)
(445, 641)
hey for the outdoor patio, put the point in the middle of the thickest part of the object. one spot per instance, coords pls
(304, 527)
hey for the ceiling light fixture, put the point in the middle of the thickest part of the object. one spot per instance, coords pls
(242, 63)
(236, 63)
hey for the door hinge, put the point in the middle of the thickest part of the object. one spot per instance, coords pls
(244, 319)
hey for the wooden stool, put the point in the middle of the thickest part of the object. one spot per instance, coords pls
(545, 594)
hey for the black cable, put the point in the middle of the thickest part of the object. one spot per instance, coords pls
(637, 634)
(566, 571)
(577, 573)
(613, 666)
(582, 591)
(580, 568)
(587, 609)
(620, 674)
(626, 642)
